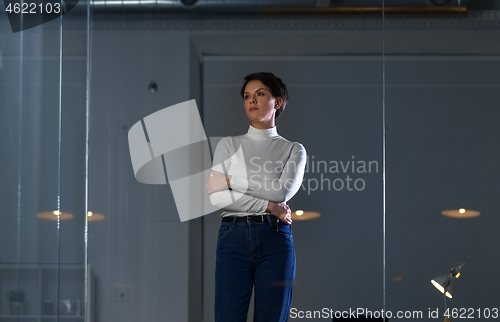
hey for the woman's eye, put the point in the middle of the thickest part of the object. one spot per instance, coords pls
(245, 97)
(261, 94)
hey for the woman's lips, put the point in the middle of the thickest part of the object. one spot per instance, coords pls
(253, 108)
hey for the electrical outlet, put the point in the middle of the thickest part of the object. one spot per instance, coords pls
(122, 294)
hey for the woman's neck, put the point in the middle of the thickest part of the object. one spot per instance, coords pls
(263, 125)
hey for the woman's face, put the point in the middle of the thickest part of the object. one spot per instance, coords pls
(260, 105)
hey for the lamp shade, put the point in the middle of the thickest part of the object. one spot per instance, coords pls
(445, 284)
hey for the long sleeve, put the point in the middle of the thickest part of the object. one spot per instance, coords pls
(279, 189)
(233, 201)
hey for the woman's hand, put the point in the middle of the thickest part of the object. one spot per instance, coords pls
(218, 182)
(280, 210)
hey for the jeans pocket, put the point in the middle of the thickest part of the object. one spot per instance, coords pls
(284, 229)
(223, 232)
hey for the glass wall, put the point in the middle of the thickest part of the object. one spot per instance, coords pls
(43, 89)
(153, 266)
(397, 110)
(442, 80)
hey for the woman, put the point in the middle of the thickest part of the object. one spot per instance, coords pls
(253, 177)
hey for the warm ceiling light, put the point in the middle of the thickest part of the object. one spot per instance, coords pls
(93, 217)
(305, 215)
(460, 213)
(54, 215)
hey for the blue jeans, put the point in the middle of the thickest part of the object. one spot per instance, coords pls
(254, 254)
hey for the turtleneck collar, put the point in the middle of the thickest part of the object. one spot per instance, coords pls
(262, 134)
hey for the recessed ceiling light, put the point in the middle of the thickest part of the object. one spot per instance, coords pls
(460, 213)
(302, 215)
(93, 217)
(54, 215)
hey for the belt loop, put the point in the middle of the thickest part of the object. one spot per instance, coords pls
(234, 221)
(269, 220)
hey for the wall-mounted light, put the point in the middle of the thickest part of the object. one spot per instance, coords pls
(54, 215)
(460, 213)
(303, 215)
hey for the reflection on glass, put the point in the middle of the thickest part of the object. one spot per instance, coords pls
(460, 213)
(442, 92)
(54, 215)
(42, 180)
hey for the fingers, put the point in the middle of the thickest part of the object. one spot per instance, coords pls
(209, 186)
(286, 215)
(209, 189)
(287, 208)
(287, 219)
(216, 183)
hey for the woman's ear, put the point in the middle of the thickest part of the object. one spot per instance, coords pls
(278, 103)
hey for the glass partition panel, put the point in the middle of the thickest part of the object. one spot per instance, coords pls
(442, 93)
(154, 265)
(43, 87)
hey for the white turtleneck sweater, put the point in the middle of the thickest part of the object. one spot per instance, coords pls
(267, 168)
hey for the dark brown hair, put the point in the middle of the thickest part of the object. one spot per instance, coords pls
(277, 87)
